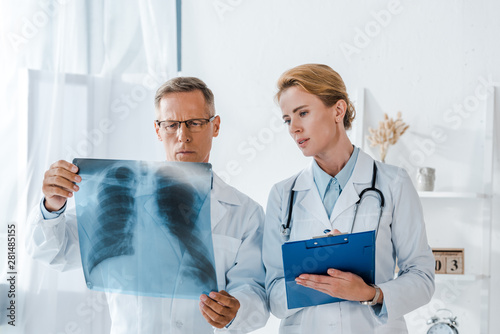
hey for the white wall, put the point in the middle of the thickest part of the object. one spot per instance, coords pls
(423, 60)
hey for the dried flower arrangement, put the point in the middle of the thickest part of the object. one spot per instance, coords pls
(388, 133)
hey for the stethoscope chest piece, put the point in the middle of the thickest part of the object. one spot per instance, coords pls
(285, 232)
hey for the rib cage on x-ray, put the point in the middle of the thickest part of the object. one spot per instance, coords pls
(116, 216)
(146, 218)
(177, 204)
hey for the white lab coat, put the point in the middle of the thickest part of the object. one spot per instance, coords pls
(237, 227)
(401, 239)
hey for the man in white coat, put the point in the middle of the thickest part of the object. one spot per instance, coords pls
(186, 124)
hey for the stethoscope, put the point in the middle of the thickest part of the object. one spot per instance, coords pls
(371, 191)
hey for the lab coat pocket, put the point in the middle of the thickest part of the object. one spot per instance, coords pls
(292, 324)
(291, 329)
(305, 229)
(225, 250)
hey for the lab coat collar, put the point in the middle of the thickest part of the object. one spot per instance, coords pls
(221, 193)
(363, 170)
(305, 180)
(361, 174)
(364, 163)
(311, 201)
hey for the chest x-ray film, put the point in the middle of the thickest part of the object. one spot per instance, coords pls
(144, 227)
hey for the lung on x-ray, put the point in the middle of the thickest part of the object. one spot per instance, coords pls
(145, 228)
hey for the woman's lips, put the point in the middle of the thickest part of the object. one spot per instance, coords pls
(302, 142)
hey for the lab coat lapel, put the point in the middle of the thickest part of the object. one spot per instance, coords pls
(221, 193)
(218, 212)
(310, 201)
(347, 198)
(361, 174)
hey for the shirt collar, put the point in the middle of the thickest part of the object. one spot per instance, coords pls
(322, 179)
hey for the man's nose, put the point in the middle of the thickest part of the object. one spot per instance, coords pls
(183, 133)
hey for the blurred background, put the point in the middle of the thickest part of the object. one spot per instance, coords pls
(78, 80)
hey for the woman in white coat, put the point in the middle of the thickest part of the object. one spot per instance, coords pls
(317, 110)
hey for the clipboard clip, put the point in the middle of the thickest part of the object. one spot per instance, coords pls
(328, 235)
(328, 240)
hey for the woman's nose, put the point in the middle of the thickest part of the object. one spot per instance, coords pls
(295, 127)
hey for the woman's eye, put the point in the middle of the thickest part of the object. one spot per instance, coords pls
(286, 121)
(302, 113)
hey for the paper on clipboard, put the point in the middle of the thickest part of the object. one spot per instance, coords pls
(347, 252)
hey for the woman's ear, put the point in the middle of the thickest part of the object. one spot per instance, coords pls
(340, 109)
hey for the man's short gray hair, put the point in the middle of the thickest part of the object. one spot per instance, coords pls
(185, 84)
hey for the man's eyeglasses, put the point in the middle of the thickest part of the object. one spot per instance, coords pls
(193, 125)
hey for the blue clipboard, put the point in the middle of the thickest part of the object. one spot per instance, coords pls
(353, 253)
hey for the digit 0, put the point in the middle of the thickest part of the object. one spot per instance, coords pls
(438, 265)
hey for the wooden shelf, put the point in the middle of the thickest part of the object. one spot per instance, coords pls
(451, 194)
(466, 277)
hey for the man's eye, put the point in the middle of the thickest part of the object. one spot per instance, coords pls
(195, 123)
(171, 125)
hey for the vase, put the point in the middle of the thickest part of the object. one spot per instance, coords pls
(425, 179)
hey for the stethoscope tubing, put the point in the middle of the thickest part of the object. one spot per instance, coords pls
(286, 229)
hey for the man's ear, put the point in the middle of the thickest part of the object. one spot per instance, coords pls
(157, 129)
(216, 122)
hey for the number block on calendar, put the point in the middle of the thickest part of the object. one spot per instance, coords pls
(449, 260)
